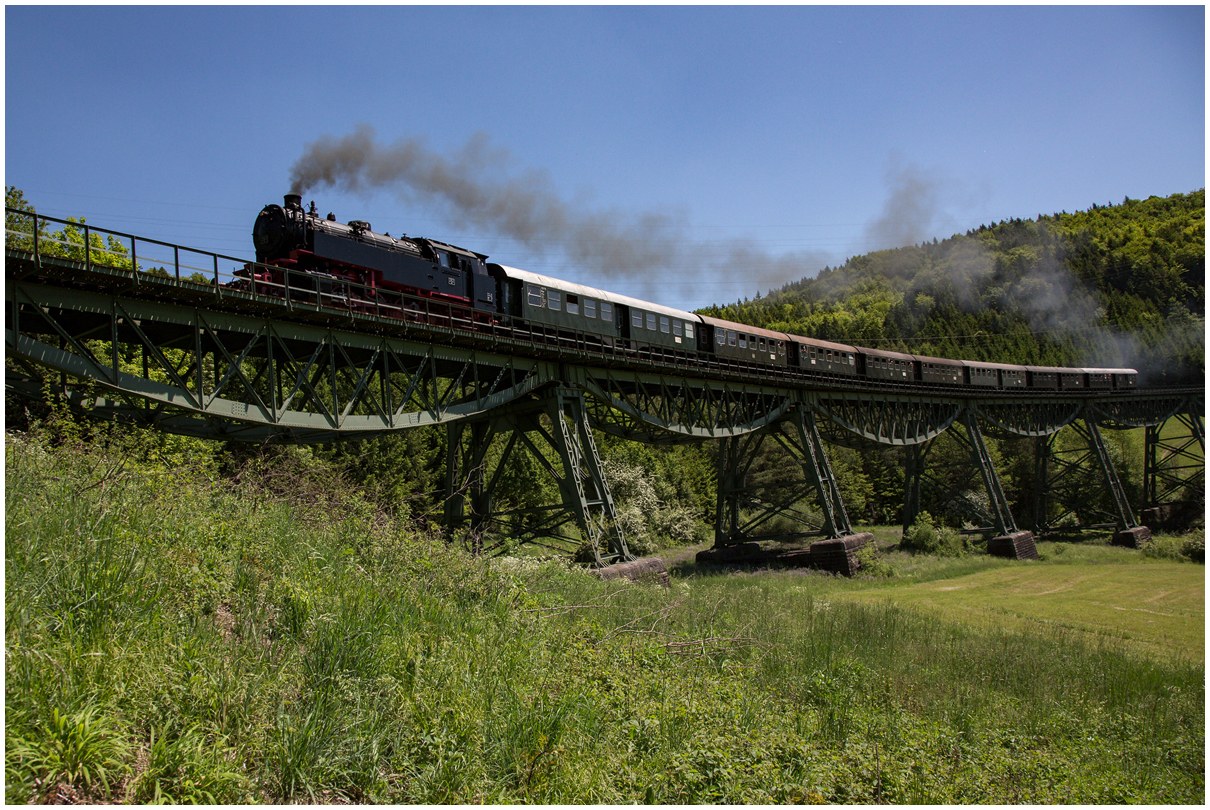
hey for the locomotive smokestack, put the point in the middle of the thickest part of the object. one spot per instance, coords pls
(293, 201)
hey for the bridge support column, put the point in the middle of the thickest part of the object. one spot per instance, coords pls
(1174, 470)
(1129, 532)
(772, 501)
(1063, 478)
(555, 431)
(1007, 540)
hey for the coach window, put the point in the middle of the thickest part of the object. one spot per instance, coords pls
(781, 348)
(720, 336)
(664, 324)
(852, 360)
(730, 338)
(590, 308)
(743, 340)
(573, 304)
(536, 299)
(651, 321)
(676, 328)
(606, 311)
(554, 299)
(688, 330)
(761, 344)
(636, 319)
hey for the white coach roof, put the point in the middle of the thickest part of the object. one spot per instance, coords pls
(593, 292)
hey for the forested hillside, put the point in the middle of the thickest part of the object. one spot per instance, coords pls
(1117, 285)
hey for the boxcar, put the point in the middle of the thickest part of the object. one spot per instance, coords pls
(736, 341)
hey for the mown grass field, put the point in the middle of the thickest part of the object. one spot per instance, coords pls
(176, 632)
(1105, 595)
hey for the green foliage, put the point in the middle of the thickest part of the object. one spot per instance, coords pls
(187, 768)
(928, 537)
(81, 751)
(1189, 547)
(1112, 286)
(268, 634)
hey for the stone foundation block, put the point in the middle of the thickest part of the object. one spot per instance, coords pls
(1132, 538)
(740, 553)
(839, 555)
(645, 568)
(1015, 546)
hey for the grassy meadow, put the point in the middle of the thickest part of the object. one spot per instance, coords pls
(177, 630)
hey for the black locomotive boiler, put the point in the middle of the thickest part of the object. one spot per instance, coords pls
(313, 255)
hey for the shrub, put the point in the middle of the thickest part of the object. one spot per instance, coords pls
(929, 538)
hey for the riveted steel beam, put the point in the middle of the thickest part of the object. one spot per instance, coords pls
(765, 503)
(224, 375)
(1140, 411)
(947, 483)
(1031, 418)
(894, 419)
(636, 404)
(1174, 480)
(1066, 475)
(552, 426)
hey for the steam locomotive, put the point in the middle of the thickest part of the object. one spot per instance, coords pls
(301, 254)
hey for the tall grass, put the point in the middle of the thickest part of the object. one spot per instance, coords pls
(173, 636)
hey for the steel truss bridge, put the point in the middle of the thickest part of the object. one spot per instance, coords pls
(150, 333)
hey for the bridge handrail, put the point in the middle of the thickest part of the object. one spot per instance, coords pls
(89, 230)
(374, 301)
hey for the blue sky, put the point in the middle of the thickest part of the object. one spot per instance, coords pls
(688, 155)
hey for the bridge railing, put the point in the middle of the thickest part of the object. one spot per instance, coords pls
(200, 271)
(99, 248)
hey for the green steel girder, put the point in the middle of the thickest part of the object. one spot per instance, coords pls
(1174, 460)
(769, 494)
(942, 492)
(1062, 479)
(663, 409)
(1143, 411)
(894, 419)
(225, 375)
(551, 425)
(1029, 418)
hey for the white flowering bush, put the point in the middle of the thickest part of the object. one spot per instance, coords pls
(647, 522)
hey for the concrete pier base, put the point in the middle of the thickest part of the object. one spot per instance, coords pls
(652, 568)
(840, 555)
(1132, 538)
(1015, 546)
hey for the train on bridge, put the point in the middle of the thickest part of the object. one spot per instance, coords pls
(300, 253)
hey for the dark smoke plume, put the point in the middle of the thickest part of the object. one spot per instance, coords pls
(481, 186)
(908, 213)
